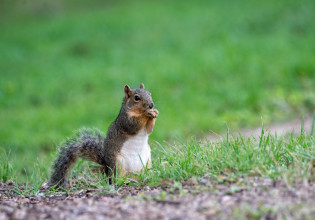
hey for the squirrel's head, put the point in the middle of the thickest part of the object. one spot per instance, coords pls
(138, 99)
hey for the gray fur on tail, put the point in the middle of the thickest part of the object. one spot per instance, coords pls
(87, 144)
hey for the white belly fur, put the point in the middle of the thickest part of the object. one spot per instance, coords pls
(134, 148)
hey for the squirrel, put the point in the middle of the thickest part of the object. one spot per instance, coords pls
(125, 146)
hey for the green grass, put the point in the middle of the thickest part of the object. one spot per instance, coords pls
(63, 66)
(288, 158)
(267, 156)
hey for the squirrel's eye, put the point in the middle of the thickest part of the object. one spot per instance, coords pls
(137, 98)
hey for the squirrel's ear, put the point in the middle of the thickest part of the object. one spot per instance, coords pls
(127, 91)
(141, 86)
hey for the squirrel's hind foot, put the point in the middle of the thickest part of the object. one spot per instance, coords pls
(50, 185)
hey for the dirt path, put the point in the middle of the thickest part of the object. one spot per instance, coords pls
(280, 128)
(202, 199)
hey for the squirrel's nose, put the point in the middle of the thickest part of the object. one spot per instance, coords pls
(151, 105)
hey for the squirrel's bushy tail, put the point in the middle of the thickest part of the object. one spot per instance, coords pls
(87, 144)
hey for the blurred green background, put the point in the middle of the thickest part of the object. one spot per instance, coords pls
(63, 65)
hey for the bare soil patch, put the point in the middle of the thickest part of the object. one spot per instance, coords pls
(249, 197)
(281, 129)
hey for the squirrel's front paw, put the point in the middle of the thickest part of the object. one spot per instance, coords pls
(152, 113)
